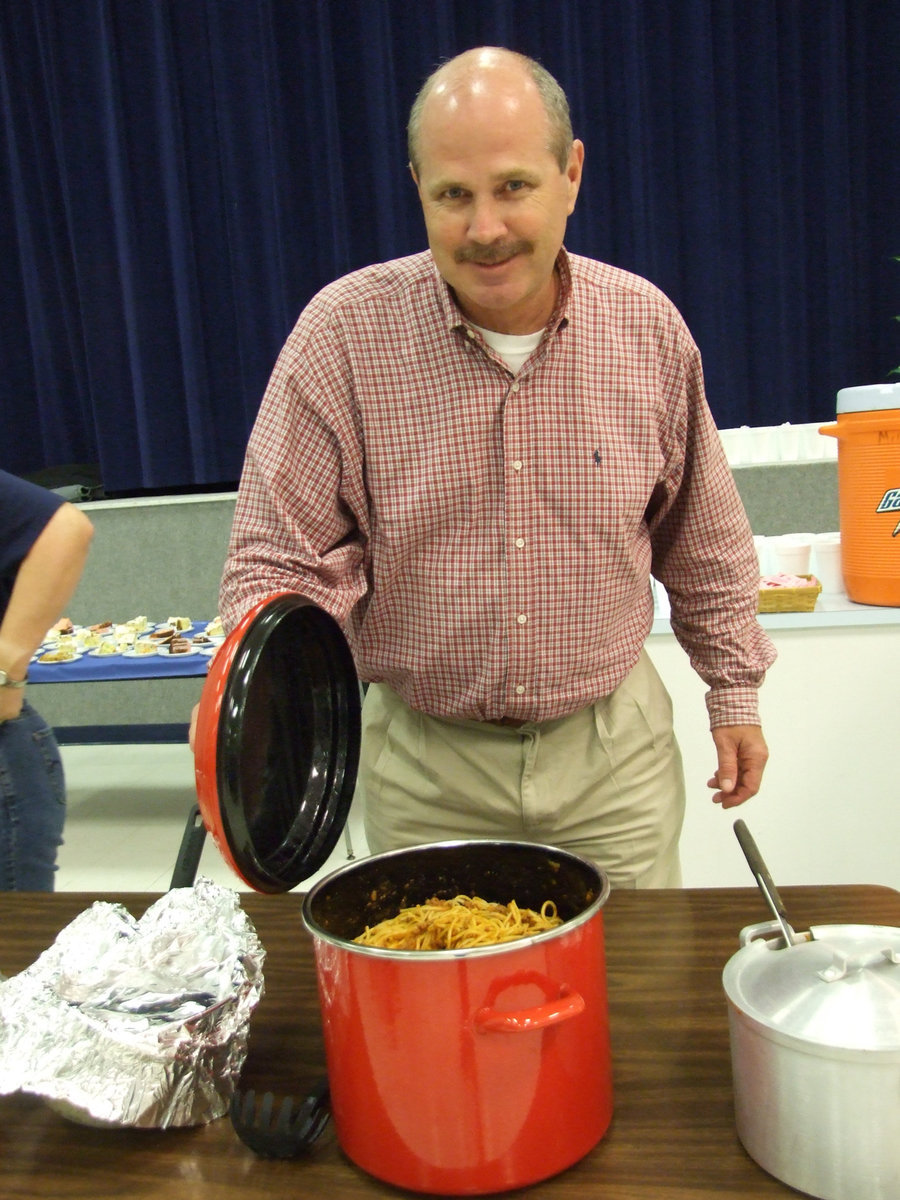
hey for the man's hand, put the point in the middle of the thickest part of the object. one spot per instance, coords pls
(742, 754)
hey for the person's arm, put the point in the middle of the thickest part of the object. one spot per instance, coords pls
(301, 516)
(44, 585)
(704, 555)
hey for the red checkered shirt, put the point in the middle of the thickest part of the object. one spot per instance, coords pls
(486, 540)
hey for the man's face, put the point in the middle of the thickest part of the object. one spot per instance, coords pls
(495, 201)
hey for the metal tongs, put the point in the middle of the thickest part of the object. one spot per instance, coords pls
(766, 886)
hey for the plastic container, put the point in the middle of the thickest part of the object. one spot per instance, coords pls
(868, 435)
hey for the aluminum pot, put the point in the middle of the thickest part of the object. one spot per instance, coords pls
(815, 1048)
(462, 1072)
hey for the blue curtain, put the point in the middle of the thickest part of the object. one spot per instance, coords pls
(178, 177)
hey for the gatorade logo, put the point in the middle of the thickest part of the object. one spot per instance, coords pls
(890, 502)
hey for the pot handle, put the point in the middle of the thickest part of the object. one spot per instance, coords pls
(568, 1004)
(752, 933)
(851, 964)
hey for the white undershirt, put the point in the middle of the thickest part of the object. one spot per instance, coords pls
(513, 348)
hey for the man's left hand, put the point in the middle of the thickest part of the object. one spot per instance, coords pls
(742, 754)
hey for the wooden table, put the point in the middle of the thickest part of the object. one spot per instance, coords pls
(672, 1136)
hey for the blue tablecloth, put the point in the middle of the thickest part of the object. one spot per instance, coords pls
(116, 666)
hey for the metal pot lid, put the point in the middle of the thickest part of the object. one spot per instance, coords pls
(277, 742)
(841, 989)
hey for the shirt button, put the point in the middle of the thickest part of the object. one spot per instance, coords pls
(520, 542)
(521, 618)
(515, 387)
(520, 689)
(470, 333)
(517, 464)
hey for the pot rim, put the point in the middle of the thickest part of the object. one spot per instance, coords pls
(430, 956)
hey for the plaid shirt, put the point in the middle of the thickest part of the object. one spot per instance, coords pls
(486, 540)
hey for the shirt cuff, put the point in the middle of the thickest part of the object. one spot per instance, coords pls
(736, 705)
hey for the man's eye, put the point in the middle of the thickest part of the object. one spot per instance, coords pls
(515, 185)
(454, 193)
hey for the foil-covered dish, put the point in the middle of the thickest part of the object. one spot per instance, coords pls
(137, 1022)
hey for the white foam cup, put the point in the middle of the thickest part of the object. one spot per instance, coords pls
(791, 553)
(827, 566)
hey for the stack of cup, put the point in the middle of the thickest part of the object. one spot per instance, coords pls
(827, 563)
(791, 553)
(817, 554)
(762, 552)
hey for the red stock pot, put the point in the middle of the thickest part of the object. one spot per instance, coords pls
(452, 1072)
(469, 1071)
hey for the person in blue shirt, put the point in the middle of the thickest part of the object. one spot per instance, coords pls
(44, 543)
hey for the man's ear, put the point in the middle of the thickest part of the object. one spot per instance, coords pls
(574, 172)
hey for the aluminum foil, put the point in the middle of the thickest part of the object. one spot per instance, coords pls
(140, 1023)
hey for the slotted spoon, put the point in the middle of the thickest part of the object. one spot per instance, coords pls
(293, 1131)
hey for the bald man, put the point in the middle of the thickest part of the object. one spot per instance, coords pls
(474, 458)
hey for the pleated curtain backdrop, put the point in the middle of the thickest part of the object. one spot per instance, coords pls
(179, 177)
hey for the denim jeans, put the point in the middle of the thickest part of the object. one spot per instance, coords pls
(32, 803)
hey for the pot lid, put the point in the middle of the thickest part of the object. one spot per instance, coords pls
(842, 989)
(277, 742)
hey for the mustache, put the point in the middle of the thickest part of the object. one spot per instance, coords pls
(496, 253)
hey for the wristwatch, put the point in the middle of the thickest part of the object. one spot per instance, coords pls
(5, 680)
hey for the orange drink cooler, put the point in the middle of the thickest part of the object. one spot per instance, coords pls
(868, 433)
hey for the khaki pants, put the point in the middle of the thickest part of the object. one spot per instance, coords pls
(605, 782)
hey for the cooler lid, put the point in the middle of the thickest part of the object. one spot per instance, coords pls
(868, 398)
(277, 742)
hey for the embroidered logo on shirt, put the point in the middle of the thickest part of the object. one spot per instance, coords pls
(597, 457)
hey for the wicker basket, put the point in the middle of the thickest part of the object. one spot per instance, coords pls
(779, 599)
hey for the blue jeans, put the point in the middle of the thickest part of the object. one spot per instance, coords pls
(32, 803)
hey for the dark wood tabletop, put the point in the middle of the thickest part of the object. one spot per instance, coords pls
(672, 1136)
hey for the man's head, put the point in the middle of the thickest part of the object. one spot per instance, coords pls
(492, 155)
(552, 96)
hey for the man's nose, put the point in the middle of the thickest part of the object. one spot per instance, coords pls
(486, 223)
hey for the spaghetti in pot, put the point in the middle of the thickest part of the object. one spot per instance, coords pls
(458, 924)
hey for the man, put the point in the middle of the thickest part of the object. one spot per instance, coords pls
(43, 547)
(473, 458)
